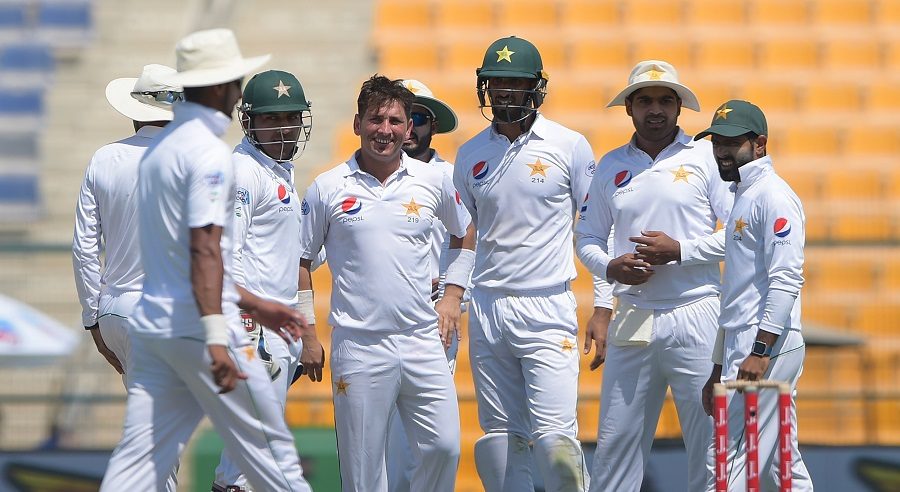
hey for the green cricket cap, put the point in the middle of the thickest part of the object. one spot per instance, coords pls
(735, 118)
(274, 91)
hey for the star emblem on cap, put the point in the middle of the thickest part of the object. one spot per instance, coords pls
(723, 112)
(505, 54)
(341, 386)
(739, 226)
(568, 345)
(412, 207)
(538, 168)
(282, 90)
(412, 88)
(654, 74)
(681, 174)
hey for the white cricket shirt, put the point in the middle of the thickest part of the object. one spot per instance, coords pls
(440, 240)
(267, 225)
(679, 193)
(523, 196)
(378, 239)
(765, 235)
(106, 224)
(185, 181)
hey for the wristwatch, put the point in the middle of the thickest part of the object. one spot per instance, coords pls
(760, 349)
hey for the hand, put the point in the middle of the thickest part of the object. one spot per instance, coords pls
(753, 368)
(706, 396)
(449, 312)
(281, 319)
(596, 330)
(628, 269)
(312, 358)
(656, 248)
(104, 350)
(224, 372)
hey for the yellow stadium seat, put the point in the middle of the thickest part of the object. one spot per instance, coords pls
(841, 53)
(346, 142)
(828, 96)
(637, 13)
(880, 318)
(818, 420)
(518, 14)
(890, 274)
(859, 183)
(886, 411)
(769, 13)
(787, 53)
(842, 12)
(861, 222)
(574, 94)
(456, 14)
(822, 310)
(553, 52)
(809, 140)
(599, 53)
(839, 273)
(770, 95)
(463, 56)
(872, 139)
(714, 53)
(703, 13)
(817, 222)
(675, 50)
(881, 95)
(711, 93)
(892, 54)
(401, 14)
(668, 426)
(887, 12)
(589, 14)
(405, 58)
(806, 183)
(605, 138)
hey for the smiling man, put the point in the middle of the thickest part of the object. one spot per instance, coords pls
(663, 194)
(374, 215)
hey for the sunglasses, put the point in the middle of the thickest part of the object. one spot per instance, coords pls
(420, 119)
(160, 99)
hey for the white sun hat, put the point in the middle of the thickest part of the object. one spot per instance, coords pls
(446, 117)
(145, 98)
(211, 57)
(656, 73)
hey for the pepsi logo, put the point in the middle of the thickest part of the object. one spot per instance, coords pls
(584, 203)
(782, 227)
(351, 206)
(622, 178)
(283, 194)
(480, 170)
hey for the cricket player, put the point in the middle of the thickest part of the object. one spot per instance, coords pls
(190, 354)
(430, 116)
(277, 121)
(105, 214)
(523, 179)
(759, 327)
(374, 214)
(662, 194)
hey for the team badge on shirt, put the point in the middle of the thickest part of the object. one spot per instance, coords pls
(283, 194)
(567, 345)
(538, 168)
(622, 178)
(351, 205)
(412, 207)
(480, 170)
(304, 207)
(243, 196)
(591, 169)
(782, 227)
(738, 233)
(681, 174)
(340, 386)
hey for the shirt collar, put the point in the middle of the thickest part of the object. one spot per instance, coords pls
(753, 171)
(148, 131)
(681, 139)
(217, 121)
(540, 129)
(353, 164)
(261, 157)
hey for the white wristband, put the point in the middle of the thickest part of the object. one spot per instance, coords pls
(718, 353)
(460, 266)
(305, 307)
(216, 329)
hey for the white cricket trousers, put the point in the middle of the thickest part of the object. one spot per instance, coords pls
(786, 364)
(524, 355)
(170, 388)
(372, 372)
(635, 380)
(286, 357)
(113, 321)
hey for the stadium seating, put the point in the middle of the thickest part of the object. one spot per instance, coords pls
(64, 24)
(26, 65)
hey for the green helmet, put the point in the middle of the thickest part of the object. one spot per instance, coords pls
(276, 91)
(517, 58)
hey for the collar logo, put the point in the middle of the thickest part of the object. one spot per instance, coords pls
(622, 178)
(351, 205)
(782, 227)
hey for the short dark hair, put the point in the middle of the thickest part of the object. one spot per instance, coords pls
(379, 91)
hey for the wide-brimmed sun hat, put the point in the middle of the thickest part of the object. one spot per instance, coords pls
(445, 116)
(145, 98)
(656, 73)
(211, 57)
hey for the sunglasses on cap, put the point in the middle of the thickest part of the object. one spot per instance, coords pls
(420, 119)
(160, 99)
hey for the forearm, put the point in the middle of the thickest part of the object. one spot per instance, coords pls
(206, 279)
